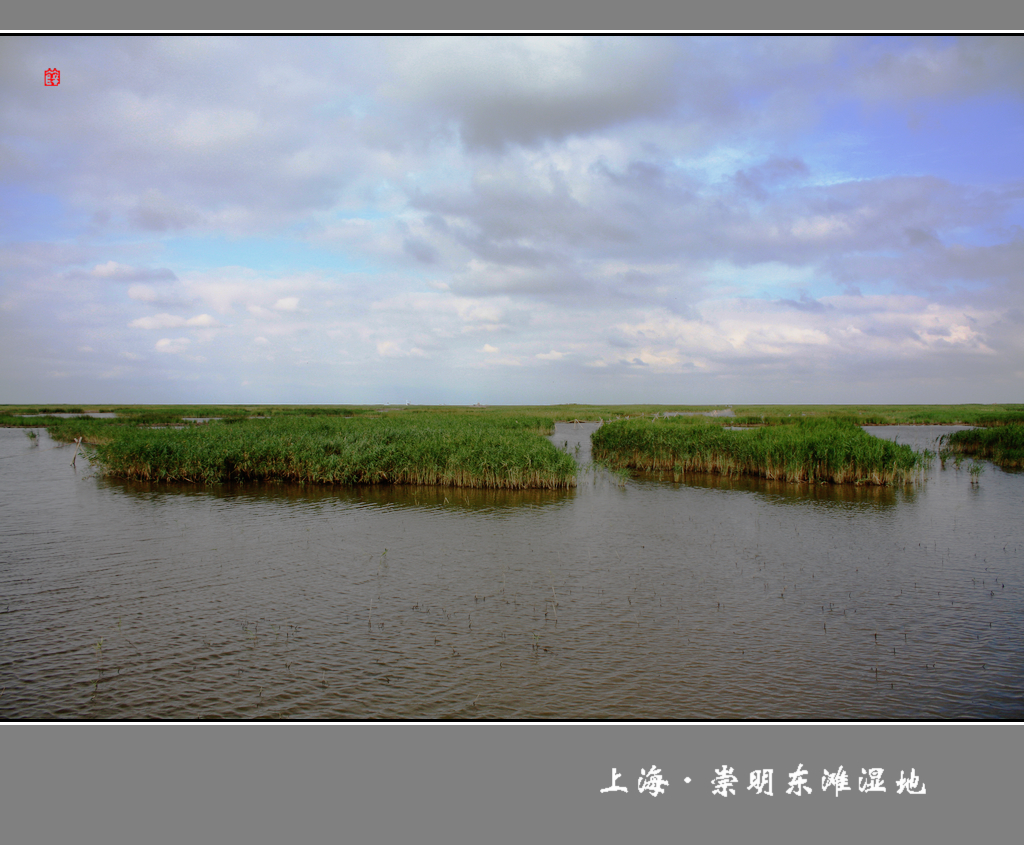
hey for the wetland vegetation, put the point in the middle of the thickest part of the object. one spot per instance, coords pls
(981, 415)
(436, 449)
(505, 447)
(813, 450)
(1003, 445)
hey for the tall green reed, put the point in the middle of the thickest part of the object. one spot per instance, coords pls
(459, 451)
(808, 450)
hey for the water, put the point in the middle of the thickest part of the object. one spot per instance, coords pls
(622, 599)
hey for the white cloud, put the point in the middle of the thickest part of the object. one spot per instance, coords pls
(392, 349)
(173, 346)
(171, 321)
(158, 321)
(123, 272)
(111, 270)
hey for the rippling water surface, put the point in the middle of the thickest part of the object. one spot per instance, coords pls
(622, 599)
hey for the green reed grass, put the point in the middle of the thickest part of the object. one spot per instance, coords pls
(61, 429)
(94, 431)
(437, 449)
(461, 463)
(1003, 445)
(808, 450)
(984, 415)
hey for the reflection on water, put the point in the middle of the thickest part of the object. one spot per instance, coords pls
(785, 492)
(380, 495)
(641, 598)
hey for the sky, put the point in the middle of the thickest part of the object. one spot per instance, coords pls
(512, 220)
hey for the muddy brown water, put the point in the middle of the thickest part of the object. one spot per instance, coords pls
(622, 599)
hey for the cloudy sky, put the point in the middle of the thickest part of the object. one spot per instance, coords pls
(505, 220)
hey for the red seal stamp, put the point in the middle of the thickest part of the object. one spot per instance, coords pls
(51, 76)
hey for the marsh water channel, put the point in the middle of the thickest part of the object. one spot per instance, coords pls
(624, 599)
